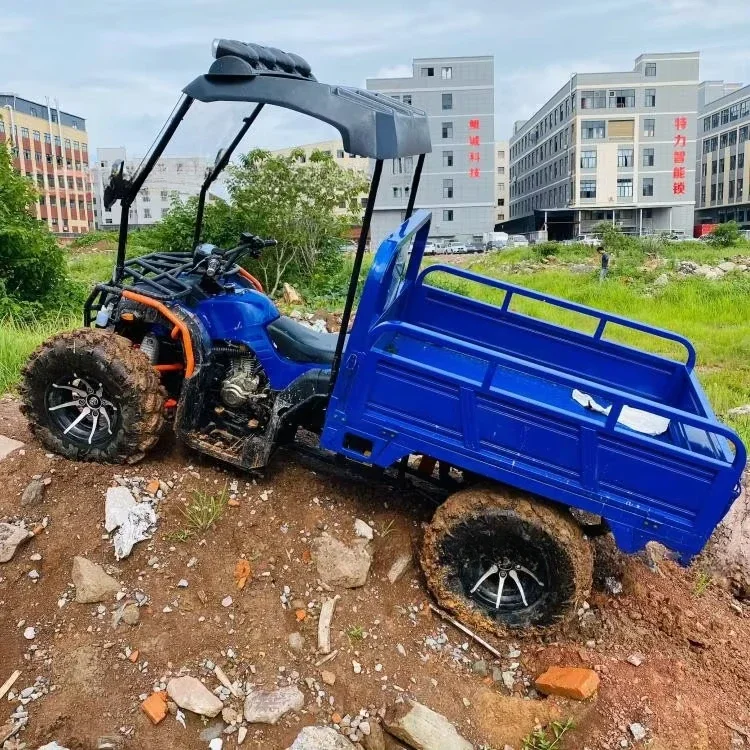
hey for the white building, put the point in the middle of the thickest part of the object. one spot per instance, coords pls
(173, 177)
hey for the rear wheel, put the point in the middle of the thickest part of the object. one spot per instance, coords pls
(502, 560)
(91, 396)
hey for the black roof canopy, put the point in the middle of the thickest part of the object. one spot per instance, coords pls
(370, 124)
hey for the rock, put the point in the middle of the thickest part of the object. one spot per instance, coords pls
(231, 715)
(131, 614)
(661, 280)
(321, 738)
(613, 585)
(91, 582)
(422, 728)
(212, 731)
(363, 529)
(688, 266)
(329, 678)
(216, 744)
(727, 267)
(29, 633)
(635, 659)
(192, 695)
(739, 411)
(577, 683)
(339, 565)
(8, 729)
(53, 746)
(10, 537)
(264, 707)
(375, 740)
(296, 642)
(110, 742)
(402, 563)
(291, 295)
(8, 445)
(480, 667)
(638, 731)
(226, 601)
(509, 680)
(34, 493)
(241, 734)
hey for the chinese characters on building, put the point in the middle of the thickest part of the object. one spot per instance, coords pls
(473, 142)
(679, 156)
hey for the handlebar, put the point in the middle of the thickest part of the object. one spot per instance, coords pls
(217, 261)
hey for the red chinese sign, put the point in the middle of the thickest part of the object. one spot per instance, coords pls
(678, 156)
(473, 155)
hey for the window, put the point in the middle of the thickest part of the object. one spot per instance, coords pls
(397, 192)
(740, 183)
(621, 98)
(108, 221)
(740, 161)
(24, 132)
(447, 214)
(501, 170)
(721, 165)
(448, 188)
(715, 120)
(734, 112)
(703, 193)
(57, 140)
(732, 140)
(588, 159)
(731, 190)
(625, 157)
(397, 166)
(47, 138)
(2, 126)
(650, 98)
(724, 116)
(27, 154)
(446, 74)
(706, 124)
(84, 147)
(593, 99)
(723, 138)
(427, 72)
(164, 195)
(714, 164)
(447, 101)
(592, 129)
(650, 69)
(648, 157)
(447, 158)
(60, 181)
(732, 163)
(588, 188)
(720, 191)
(713, 192)
(625, 188)
(501, 154)
(146, 213)
(37, 135)
(648, 187)
(447, 130)
(340, 153)
(407, 99)
(396, 97)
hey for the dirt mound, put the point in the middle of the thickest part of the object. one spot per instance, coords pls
(688, 636)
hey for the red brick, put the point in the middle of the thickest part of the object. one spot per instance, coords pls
(155, 706)
(571, 682)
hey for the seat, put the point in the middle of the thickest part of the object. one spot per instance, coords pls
(301, 343)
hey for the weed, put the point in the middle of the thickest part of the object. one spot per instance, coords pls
(387, 528)
(549, 738)
(702, 582)
(201, 513)
(355, 633)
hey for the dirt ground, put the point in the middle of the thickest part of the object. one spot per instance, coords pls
(691, 691)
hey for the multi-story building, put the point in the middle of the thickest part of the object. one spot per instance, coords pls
(614, 147)
(50, 147)
(722, 182)
(458, 180)
(173, 177)
(501, 177)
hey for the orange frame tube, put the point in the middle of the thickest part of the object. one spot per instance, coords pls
(179, 325)
(249, 277)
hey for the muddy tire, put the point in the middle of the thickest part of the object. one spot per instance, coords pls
(486, 541)
(89, 395)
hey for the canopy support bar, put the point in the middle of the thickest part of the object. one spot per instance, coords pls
(354, 280)
(414, 186)
(219, 167)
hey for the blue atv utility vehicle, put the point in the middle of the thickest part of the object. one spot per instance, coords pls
(525, 418)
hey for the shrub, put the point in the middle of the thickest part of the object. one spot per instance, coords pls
(725, 235)
(545, 249)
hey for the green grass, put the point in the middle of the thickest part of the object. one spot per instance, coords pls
(201, 513)
(549, 738)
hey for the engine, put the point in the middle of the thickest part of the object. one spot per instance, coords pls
(244, 383)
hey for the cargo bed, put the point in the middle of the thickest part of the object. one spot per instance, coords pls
(489, 388)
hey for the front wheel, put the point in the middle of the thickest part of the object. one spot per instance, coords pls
(89, 395)
(502, 560)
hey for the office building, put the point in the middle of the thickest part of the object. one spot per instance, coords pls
(173, 177)
(616, 147)
(458, 180)
(501, 178)
(50, 147)
(722, 182)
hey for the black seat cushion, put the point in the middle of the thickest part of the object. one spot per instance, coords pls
(300, 343)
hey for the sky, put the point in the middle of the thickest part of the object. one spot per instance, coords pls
(121, 64)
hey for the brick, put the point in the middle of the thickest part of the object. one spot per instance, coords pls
(152, 487)
(155, 706)
(570, 682)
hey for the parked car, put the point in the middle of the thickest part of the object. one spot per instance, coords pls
(517, 240)
(456, 249)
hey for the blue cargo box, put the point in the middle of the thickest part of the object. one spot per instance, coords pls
(490, 389)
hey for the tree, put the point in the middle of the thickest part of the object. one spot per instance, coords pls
(307, 207)
(725, 235)
(32, 266)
